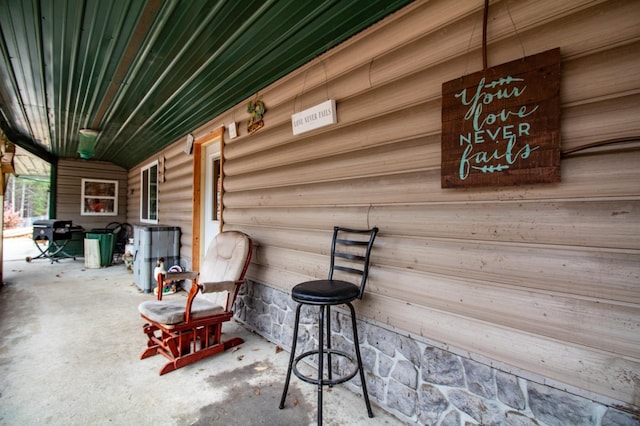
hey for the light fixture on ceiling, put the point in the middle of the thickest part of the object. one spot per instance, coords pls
(87, 143)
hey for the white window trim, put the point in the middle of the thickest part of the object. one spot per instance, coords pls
(142, 192)
(84, 197)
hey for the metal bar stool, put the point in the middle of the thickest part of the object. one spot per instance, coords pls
(350, 251)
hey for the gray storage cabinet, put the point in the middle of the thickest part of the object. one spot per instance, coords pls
(152, 242)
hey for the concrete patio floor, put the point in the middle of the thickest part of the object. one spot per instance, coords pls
(71, 338)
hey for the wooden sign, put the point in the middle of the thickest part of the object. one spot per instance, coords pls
(321, 115)
(501, 126)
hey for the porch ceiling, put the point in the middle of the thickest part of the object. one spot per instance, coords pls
(145, 73)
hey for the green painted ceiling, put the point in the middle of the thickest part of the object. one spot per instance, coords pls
(145, 73)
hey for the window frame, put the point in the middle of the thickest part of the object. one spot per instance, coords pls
(216, 186)
(146, 190)
(101, 194)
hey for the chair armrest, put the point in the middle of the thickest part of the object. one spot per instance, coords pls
(230, 286)
(218, 286)
(174, 276)
(177, 276)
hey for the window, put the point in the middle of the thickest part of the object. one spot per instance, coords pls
(99, 198)
(149, 193)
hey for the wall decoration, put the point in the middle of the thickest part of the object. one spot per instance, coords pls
(233, 130)
(188, 146)
(257, 110)
(321, 115)
(162, 161)
(501, 126)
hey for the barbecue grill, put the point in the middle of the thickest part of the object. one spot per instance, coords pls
(55, 234)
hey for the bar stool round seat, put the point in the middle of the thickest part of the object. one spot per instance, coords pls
(325, 292)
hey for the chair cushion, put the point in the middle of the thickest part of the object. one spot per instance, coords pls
(225, 258)
(321, 292)
(172, 313)
(163, 312)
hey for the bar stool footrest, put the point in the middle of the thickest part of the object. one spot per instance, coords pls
(322, 381)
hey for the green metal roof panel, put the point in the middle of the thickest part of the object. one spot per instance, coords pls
(145, 73)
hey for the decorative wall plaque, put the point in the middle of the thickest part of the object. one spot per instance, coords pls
(501, 126)
(320, 115)
(188, 145)
(257, 110)
(233, 130)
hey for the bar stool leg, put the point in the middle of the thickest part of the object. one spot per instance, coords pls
(292, 357)
(320, 362)
(329, 365)
(356, 343)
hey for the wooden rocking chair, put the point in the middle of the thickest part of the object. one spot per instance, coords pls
(186, 334)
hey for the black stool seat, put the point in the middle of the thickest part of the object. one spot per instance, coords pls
(325, 292)
(350, 251)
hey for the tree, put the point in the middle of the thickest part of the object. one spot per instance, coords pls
(27, 197)
(12, 218)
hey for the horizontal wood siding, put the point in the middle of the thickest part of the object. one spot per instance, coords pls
(175, 198)
(68, 198)
(543, 279)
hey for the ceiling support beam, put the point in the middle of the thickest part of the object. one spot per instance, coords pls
(27, 144)
(142, 29)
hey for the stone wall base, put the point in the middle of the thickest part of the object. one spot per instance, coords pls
(419, 383)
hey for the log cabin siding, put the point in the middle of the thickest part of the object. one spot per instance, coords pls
(69, 191)
(539, 279)
(175, 197)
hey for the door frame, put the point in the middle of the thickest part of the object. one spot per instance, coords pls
(199, 158)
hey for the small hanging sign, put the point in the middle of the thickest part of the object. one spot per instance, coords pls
(501, 126)
(321, 115)
(233, 130)
(188, 145)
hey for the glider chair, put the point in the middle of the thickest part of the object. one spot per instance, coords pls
(188, 332)
(350, 251)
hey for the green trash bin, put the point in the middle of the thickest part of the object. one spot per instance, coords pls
(75, 245)
(107, 242)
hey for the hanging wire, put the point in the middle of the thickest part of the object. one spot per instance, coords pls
(304, 83)
(326, 79)
(515, 29)
(466, 64)
(485, 20)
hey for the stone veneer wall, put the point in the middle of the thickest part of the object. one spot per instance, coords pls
(423, 384)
